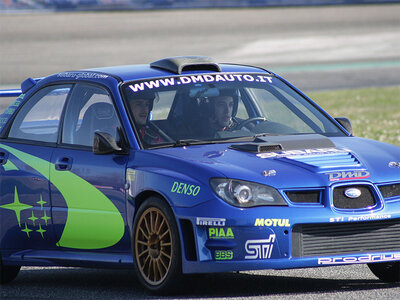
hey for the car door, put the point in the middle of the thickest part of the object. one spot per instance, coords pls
(88, 190)
(25, 203)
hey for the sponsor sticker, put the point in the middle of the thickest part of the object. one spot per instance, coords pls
(184, 188)
(130, 174)
(165, 82)
(272, 222)
(347, 175)
(360, 218)
(210, 221)
(223, 255)
(220, 233)
(368, 258)
(317, 151)
(85, 75)
(260, 249)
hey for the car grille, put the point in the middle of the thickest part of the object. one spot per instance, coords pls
(340, 200)
(311, 196)
(390, 190)
(345, 238)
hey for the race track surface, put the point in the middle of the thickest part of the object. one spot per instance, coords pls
(316, 48)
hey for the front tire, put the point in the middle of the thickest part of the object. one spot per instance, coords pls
(387, 271)
(156, 246)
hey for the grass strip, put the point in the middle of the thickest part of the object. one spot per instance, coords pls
(374, 112)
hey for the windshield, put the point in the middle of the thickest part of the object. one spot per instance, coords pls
(213, 108)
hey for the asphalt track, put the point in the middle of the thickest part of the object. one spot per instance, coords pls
(315, 48)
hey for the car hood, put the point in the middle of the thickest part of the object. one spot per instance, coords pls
(302, 161)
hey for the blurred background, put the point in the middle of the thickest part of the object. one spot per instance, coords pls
(330, 47)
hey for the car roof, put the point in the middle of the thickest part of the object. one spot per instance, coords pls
(171, 66)
(183, 65)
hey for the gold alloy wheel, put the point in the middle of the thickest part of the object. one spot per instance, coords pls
(153, 246)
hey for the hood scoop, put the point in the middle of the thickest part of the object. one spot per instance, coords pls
(285, 143)
(257, 148)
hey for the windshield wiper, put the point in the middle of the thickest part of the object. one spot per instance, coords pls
(188, 142)
(262, 135)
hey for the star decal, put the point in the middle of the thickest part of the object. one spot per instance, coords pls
(27, 230)
(33, 218)
(17, 206)
(45, 217)
(41, 202)
(41, 230)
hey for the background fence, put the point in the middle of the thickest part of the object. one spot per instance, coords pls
(54, 5)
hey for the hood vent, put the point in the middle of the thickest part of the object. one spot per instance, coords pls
(285, 143)
(325, 161)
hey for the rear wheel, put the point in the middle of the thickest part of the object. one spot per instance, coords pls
(387, 271)
(8, 273)
(156, 246)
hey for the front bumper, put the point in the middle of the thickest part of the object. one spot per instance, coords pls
(227, 238)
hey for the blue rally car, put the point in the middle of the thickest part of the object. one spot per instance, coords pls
(189, 166)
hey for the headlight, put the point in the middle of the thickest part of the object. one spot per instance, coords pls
(245, 194)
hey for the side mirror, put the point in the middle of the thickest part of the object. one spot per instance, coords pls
(105, 143)
(346, 124)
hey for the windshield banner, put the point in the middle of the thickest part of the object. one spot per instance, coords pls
(165, 82)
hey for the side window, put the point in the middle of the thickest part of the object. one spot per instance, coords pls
(89, 109)
(39, 118)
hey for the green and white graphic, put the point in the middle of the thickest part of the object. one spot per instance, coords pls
(90, 213)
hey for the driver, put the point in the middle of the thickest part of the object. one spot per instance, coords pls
(141, 105)
(219, 113)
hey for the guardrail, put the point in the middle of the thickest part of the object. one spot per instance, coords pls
(61, 5)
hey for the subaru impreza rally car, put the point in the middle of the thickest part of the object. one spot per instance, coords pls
(187, 165)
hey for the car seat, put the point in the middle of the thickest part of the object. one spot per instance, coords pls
(99, 116)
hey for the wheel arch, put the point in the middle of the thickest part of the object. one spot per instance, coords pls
(184, 226)
(148, 203)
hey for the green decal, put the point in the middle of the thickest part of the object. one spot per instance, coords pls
(33, 218)
(41, 202)
(27, 230)
(220, 233)
(184, 188)
(223, 254)
(45, 218)
(9, 166)
(130, 175)
(84, 224)
(16, 206)
(41, 230)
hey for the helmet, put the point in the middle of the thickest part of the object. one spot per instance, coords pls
(206, 102)
(145, 95)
